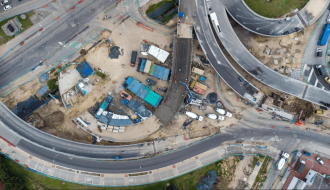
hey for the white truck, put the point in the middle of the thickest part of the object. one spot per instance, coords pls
(193, 115)
(281, 163)
(223, 112)
(215, 116)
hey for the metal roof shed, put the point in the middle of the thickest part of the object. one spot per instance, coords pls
(156, 73)
(147, 67)
(152, 69)
(166, 74)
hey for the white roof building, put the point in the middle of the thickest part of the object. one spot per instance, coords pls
(158, 53)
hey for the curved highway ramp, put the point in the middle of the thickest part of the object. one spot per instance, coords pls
(250, 20)
(257, 69)
(218, 60)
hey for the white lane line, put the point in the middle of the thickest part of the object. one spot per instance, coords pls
(310, 74)
(316, 82)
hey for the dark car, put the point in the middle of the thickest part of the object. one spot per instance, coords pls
(325, 104)
(10, 28)
(320, 70)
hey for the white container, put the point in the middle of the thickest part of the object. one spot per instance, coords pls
(122, 127)
(121, 130)
(116, 128)
(115, 131)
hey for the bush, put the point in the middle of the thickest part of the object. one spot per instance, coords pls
(102, 75)
(52, 84)
(10, 181)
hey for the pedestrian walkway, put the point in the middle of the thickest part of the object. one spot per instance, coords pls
(73, 175)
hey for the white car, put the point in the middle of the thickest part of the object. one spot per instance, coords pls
(215, 116)
(7, 7)
(328, 18)
(5, 2)
(319, 160)
(193, 115)
(223, 112)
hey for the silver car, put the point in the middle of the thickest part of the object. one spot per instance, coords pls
(328, 19)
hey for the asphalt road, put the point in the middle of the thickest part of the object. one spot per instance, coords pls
(17, 6)
(32, 53)
(54, 149)
(310, 56)
(213, 52)
(243, 15)
(253, 66)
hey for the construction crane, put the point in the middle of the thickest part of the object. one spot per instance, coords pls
(191, 100)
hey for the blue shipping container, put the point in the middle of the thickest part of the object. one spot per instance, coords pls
(140, 91)
(143, 65)
(166, 74)
(161, 73)
(129, 80)
(156, 71)
(124, 101)
(132, 85)
(136, 87)
(144, 94)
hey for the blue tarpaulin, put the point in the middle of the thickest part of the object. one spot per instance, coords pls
(137, 107)
(84, 69)
(208, 181)
(43, 90)
(181, 14)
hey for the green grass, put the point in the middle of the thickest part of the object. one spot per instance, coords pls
(26, 23)
(187, 181)
(52, 84)
(153, 7)
(273, 8)
(102, 75)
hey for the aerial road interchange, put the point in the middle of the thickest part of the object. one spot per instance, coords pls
(57, 40)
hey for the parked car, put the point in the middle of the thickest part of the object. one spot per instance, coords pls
(7, 7)
(193, 115)
(320, 70)
(318, 52)
(5, 2)
(325, 104)
(215, 116)
(319, 160)
(327, 79)
(328, 18)
(223, 112)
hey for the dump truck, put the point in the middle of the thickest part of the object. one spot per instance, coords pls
(133, 58)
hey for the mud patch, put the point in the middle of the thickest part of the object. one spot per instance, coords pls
(55, 119)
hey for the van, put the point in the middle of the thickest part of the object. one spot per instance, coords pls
(193, 115)
(320, 70)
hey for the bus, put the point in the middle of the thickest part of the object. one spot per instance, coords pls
(324, 35)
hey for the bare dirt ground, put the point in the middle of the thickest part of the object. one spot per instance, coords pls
(243, 170)
(288, 51)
